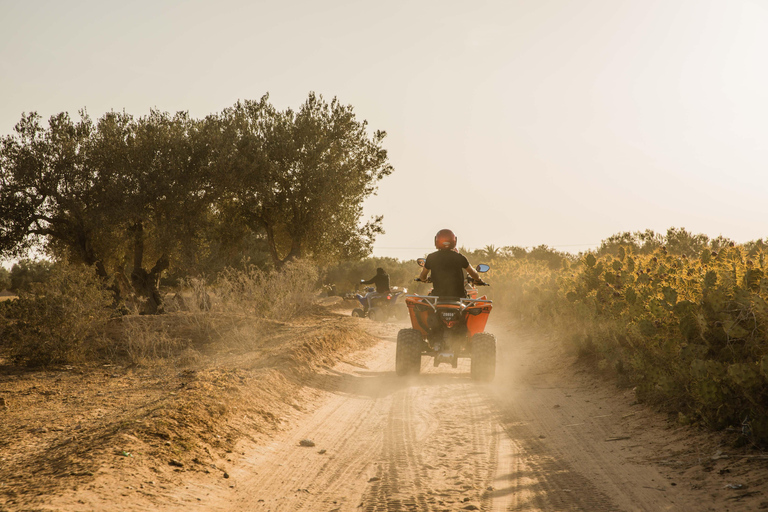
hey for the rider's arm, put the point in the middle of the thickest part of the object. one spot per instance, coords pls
(424, 274)
(473, 273)
(370, 281)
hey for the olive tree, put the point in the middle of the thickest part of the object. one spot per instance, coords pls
(112, 194)
(300, 177)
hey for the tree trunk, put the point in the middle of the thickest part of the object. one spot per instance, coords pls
(293, 254)
(89, 257)
(272, 246)
(145, 283)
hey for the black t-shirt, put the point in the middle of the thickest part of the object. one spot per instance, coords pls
(447, 273)
(381, 281)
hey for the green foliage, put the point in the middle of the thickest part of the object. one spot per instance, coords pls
(300, 177)
(5, 278)
(60, 322)
(137, 196)
(689, 332)
(676, 241)
(26, 274)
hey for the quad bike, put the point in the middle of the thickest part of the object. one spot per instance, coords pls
(381, 307)
(447, 329)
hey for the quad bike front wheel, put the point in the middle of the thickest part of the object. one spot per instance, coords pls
(483, 365)
(357, 312)
(408, 354)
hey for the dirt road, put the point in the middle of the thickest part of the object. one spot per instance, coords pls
(541, 437)
(546, 435)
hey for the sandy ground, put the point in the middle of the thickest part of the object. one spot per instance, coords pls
(544, 436)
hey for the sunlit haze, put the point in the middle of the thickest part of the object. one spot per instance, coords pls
(513, 123)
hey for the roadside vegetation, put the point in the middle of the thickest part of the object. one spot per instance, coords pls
(680, 317)
(164, 213)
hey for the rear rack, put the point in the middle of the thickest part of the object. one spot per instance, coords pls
(432, 300)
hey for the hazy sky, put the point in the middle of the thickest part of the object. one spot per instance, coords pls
(518, 122)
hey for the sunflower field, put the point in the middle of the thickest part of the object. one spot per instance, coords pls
(689, 332)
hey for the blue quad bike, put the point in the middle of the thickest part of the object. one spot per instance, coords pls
(381, 307)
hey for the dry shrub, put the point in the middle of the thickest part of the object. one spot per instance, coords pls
(144, 339)
(61, 323)
(276, 295)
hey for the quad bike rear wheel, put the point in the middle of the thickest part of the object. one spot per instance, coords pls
(377, 314)
(357, 312)
(408, 354)
(483, 365)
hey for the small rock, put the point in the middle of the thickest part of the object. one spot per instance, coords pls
(556, 406)
(321, 452)
(542, 437)
(471, 507)
(225, 475)
(374, 479)
(177, 463)
(307, 442)
(3, 403)
(489, 488)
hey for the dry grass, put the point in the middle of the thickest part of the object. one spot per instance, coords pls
(192, 407)
(69, 321)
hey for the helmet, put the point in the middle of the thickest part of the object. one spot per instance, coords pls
(445, 239)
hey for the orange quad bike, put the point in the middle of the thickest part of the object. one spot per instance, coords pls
(447, 329)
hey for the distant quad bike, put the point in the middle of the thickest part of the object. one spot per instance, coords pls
(448, 329)
(381, 307)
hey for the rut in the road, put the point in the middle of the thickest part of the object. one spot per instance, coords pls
(438, 450)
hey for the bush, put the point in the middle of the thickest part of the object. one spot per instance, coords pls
(59, 322)
(145, 339)
(276, 295)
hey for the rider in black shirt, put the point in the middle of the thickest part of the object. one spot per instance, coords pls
(446, 266)
(381, 280)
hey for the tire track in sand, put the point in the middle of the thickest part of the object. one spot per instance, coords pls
(440, 449)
